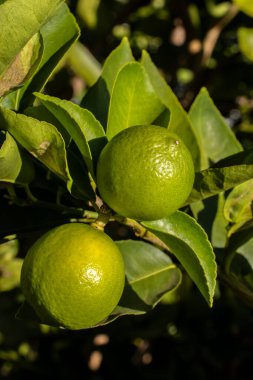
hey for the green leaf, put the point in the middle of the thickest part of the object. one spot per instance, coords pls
(98, 97)
(23, 66)
(15, 166)
(216, 138)
(58, 34)
(150, 274)
(220, 224)
(241, 236)
(149, 271)
(87, 10)
(179, 122)
(40, 139)
(238, 205)
(245, 39)
(189, 243)
(81, 125)
(41, 113)
(246, 250)
(133, 100)
(224, 175)
(245, 6)
(26, 15)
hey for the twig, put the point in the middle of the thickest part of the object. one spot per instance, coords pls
(141, 232)
(213, 34)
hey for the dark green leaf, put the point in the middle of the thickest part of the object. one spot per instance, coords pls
(150, 274)
(246, 250)
(15, 166)
(98, 97)
(189, 243)
(179, 122)
(216, 138)
(149, 271)
(81, 125)
(225, 175)
(133, 100)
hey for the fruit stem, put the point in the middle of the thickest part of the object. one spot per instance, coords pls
(141, 232)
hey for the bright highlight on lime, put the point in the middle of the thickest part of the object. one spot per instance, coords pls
(145, 173)
(73, 276)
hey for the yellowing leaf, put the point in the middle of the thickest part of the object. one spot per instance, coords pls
(21, 66)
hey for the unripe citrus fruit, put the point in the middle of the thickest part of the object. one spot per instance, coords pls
(73, 276)
(145, 173)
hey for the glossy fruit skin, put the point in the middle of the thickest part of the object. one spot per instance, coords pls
(73, 276)
(145, 173)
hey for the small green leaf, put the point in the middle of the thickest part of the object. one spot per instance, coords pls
(224, 175)
(189, 243)
(15, 166)
(149, 271)
(29, 16)
(245, 6)
(98, 97)
(133, 100)
(216, 138)
(87, 10)
(245, 39)
(179, 122)
(81, 125)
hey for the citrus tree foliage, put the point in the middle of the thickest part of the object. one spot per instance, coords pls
(49, 145)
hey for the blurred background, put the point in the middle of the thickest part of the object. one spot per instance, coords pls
(194, 44)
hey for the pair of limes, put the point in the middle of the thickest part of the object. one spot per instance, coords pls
(73, 276)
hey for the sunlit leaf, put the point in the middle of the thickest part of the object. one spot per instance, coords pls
(80, 124)
(98, 97)
(179, 122)
(133, 100)
(216, 138)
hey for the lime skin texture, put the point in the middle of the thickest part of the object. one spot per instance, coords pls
(145, 173)
(73, 276)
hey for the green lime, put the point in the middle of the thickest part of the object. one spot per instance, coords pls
(73, 276)
(145, 173)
